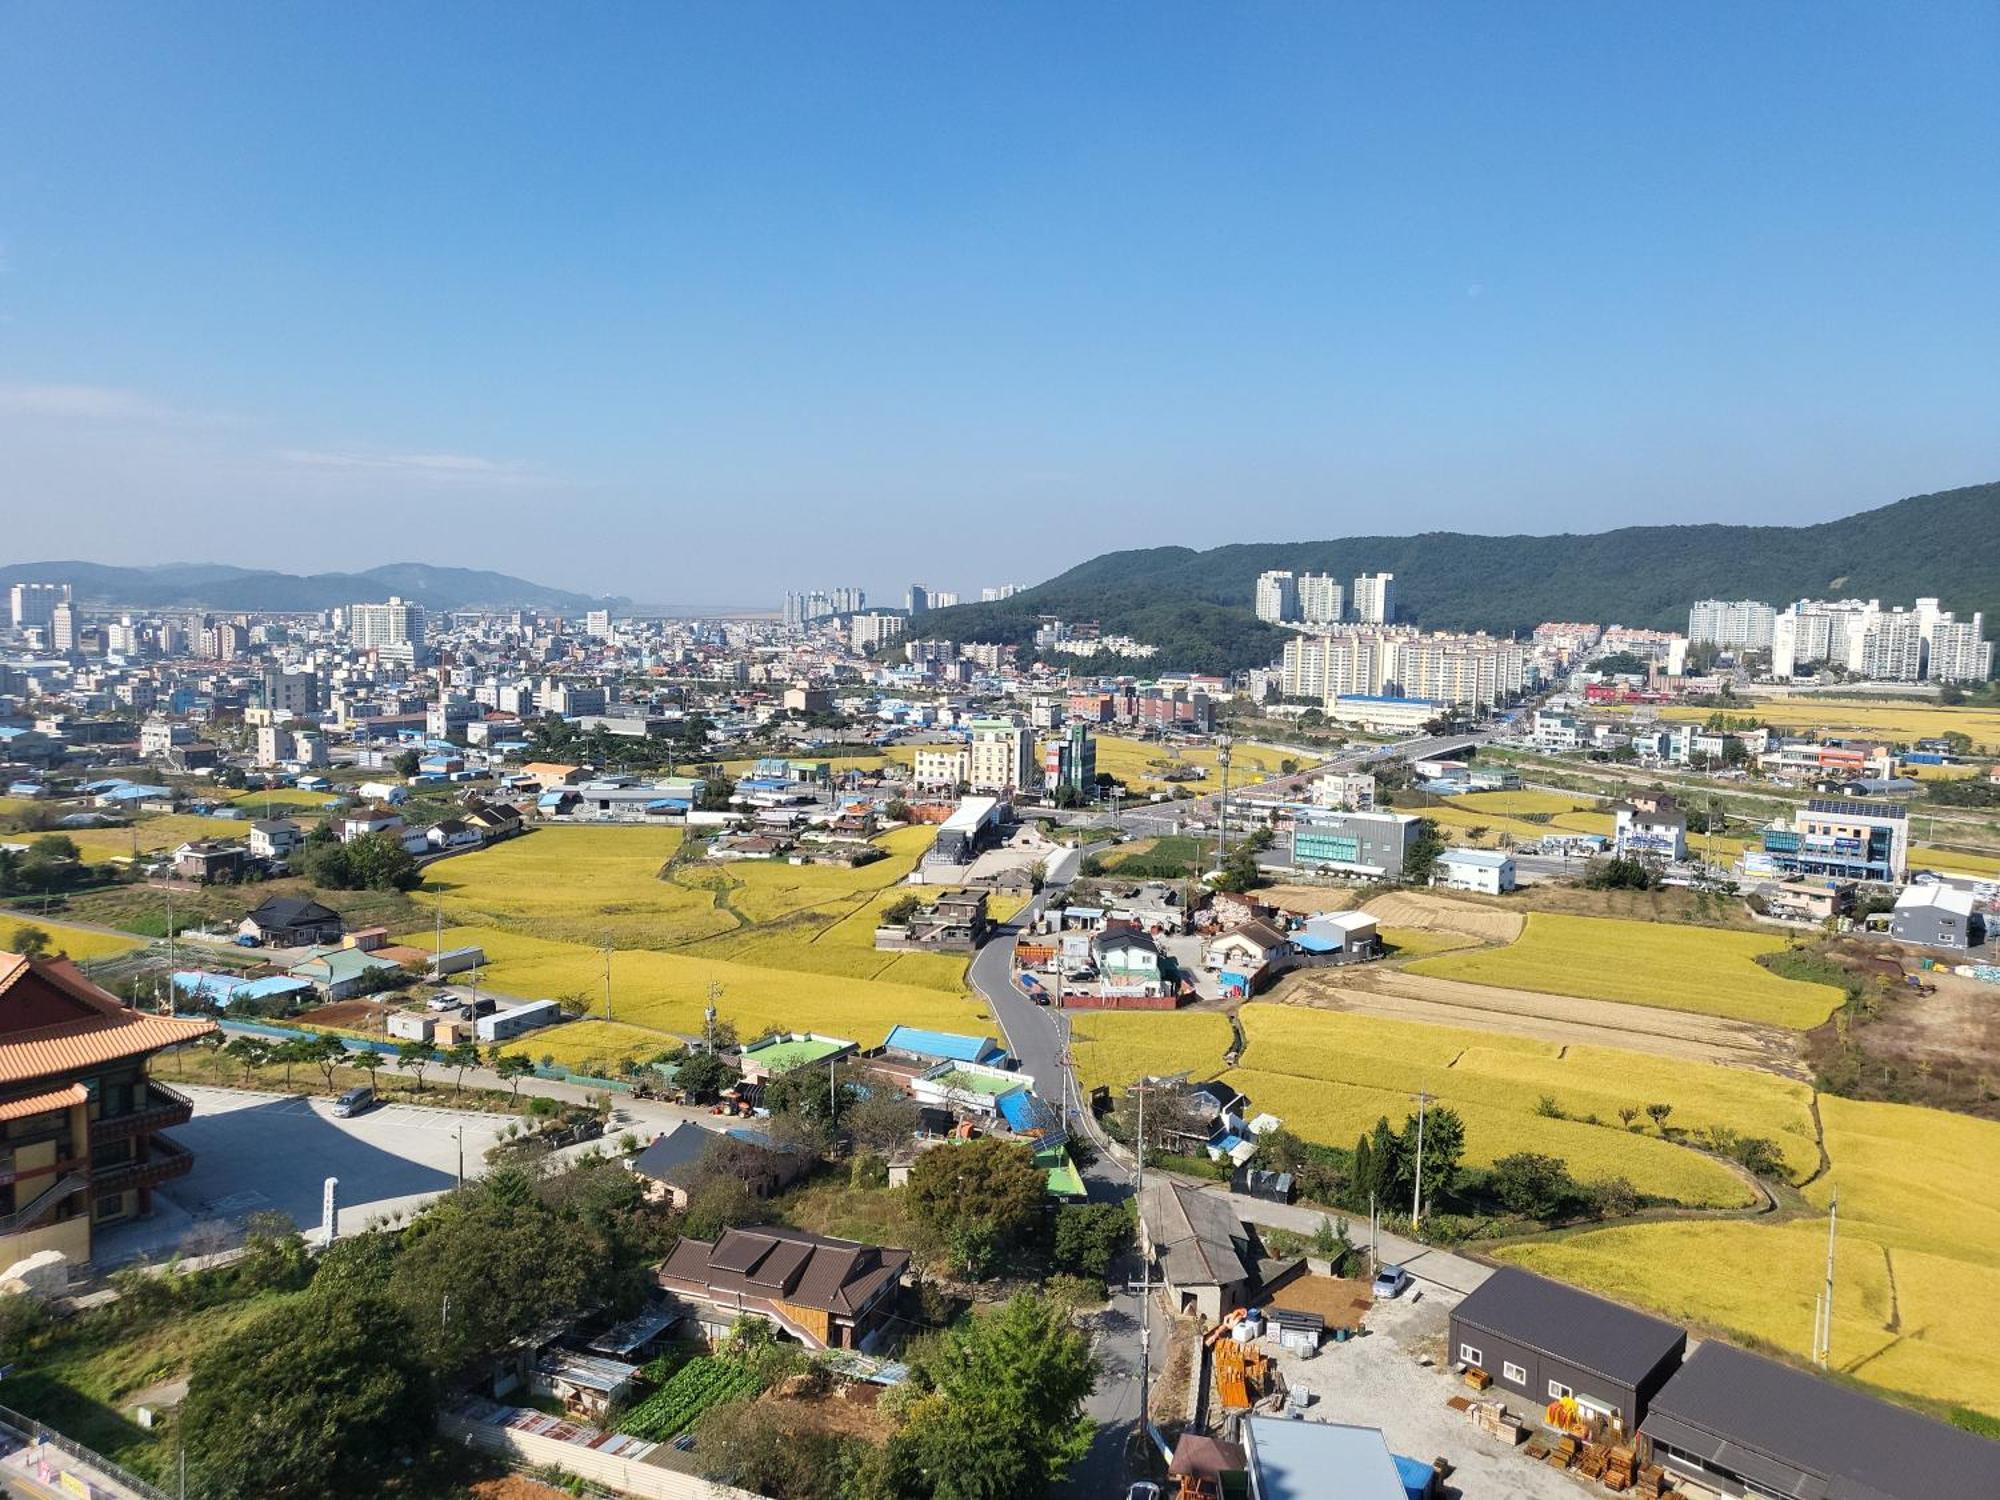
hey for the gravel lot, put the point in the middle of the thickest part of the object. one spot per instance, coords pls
(1376, 1381)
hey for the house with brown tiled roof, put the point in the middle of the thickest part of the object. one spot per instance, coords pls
(81, 1148)
(826, 1293)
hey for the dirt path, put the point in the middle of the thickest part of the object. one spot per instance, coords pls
(1563, 1019)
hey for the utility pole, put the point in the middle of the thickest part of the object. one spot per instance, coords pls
(1417, 1191)
(1223, 743)
(607, 976)
(1823, 1334)
(1145, 1281)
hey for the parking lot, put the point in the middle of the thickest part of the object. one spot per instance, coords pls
(1378, 1380)
(259, 1152)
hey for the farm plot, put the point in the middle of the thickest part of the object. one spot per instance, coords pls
(1113, 1048)
(667, 992)
(1543, 1083)
(1918, 1263)
(1894, 720)
(1513, 804)
(837, 939)
(701, 1383)
(1644, 963)
(580, 885)
(150, 835)
(1429, 913)
(77, 942)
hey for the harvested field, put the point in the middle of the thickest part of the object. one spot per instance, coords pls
(1304, 900)
(1427, 913)
(351, 1015)
(1397, 994)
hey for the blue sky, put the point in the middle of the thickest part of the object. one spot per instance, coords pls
(698, 303)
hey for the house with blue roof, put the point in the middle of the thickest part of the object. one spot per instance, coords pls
(920, 1045)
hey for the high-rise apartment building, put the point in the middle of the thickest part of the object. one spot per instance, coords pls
(1375, 598)
(865, 632)
(918, 600)
(63, 625)
(1322, 599)
(1734, 624)
(395, 630)
(597, 624)
(32, 606)
(1277, 596)
(1959, 651)
(998, 592)
(1892, 649)
(1369, 662)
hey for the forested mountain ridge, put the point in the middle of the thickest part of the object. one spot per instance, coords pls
(1196, 605)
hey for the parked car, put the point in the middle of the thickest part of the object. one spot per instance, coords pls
(248, 940)
(354, 1102)
(1391, 1281)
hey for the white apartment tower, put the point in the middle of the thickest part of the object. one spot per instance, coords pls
(1322, 599)
(1959, 651)
(1375, 598)
(1734, 624)
(1277, 596)
(395, 630)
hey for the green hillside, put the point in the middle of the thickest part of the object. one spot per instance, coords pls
(1196, 605)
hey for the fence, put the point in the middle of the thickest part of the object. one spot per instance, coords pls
(621, 1474)
(98, 1472)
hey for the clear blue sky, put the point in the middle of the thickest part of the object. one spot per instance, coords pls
(697, 303)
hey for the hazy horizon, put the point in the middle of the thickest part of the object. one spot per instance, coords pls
(698, 305)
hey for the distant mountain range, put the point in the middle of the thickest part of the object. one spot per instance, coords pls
(218, 586)
(1196, 606)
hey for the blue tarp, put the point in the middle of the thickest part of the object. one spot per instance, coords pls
(1418, 1477)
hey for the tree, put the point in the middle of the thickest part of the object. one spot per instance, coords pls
(406, 763)
(980, 1197)
(488, 1264)
(512, 1068)
(290, 1052)
(772, 1450)
(702, 1076)
(716, 1204)
(325, 1053)
(1659, 1113)
(1089, 1237)
(29, 941)
(415, 1056)
(880, 1121)
(1533, 1184)
(317, 1395)
(460, 1056)
(371, 1062)
(1171, 1117)
(997, 1412)
(898, 913)
(1443, 1150)
(1421, 853)
(55, 846)
(250, 1053)
(817, 1096)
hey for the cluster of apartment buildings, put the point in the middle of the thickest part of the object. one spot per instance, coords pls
(1400, 661)
(1923, 643)
(1287, 598)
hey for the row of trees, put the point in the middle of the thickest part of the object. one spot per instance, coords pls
(337, 1387)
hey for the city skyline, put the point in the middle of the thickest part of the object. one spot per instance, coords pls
(834, 278)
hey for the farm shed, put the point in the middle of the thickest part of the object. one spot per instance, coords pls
(1735, 1421)
(1541, 1340)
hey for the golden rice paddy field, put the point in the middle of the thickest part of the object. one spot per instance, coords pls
(1515, 803)
(792, 945)
(1895, 721)
(1644, 963)
(1420, 942)
(1115, 1047)
(1331, 1075)
(164, 831)
(77, 942)
(667, 992)
(1917, 1284)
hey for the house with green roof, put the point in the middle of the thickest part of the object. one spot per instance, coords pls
(775, 1055)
